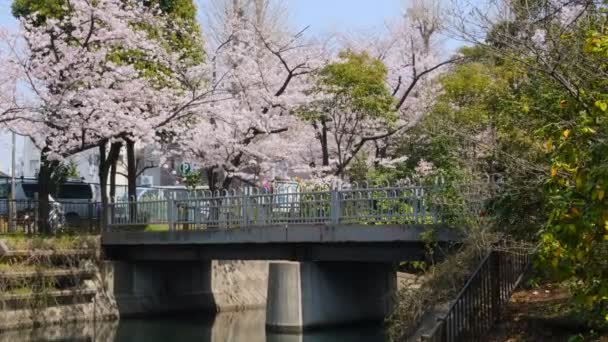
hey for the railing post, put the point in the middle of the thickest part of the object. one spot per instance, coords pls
(245, 209)
(12, 224)
(496, 286)
(90, 214)
(334, 206)
(415, 205)
(421, 205)
(170, 218)
(36, 205)
(443, 329)
(196, 213)
(434, 205)
(109, 213)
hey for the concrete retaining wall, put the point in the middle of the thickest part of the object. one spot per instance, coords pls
(149, 288)
(239, 285)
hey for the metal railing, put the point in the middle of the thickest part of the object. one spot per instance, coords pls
(383, 205)
(483, 298)
(22, 215)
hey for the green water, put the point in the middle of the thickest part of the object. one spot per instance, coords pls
(230, 327)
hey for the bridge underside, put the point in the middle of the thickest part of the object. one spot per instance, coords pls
(348, 243)
(346, 252)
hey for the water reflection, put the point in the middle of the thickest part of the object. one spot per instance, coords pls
(225, 327)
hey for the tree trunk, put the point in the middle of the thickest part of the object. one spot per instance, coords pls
(324, 147)
(44, 180)
(115, 153)
(103, 184)
(131, 178)
(226, 183)
(106, 161)
(211, 179)
(113, 179)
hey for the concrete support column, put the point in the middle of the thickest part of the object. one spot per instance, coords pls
(284, 298)
(308, 295)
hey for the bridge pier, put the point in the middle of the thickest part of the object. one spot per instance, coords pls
(308, 295)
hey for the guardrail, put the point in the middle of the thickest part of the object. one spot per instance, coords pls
(483, 298)
(387, 205)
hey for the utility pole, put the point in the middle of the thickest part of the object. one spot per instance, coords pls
(12, 206)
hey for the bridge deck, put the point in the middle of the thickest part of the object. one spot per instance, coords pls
(327, 242)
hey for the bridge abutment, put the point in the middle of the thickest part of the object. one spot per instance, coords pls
(144, 288)
(308, 295)
(151, 288)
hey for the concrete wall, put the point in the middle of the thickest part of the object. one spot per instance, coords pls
(308, 295)
(239, 285)
(148, 288)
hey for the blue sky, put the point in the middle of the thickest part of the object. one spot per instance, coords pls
(322, 15)
(325, 15)
(5, 13)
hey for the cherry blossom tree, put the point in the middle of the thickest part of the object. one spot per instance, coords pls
(411, 55)
(79, 75)
(263, 68)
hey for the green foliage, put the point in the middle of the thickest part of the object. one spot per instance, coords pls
(442, 283)
(182, 9)
(44, 8)
(20, 241)
(72, 170)
(355, 83)
(504, 113)
(358, 80)
(61, 174)
(182, 34)
(575, 241)
(359, 170)
(486, 122)
(192, 179)
(545, 128)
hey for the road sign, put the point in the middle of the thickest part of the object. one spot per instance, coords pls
(185, 168)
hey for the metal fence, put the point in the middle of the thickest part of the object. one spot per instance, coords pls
(483, 298)
(386, 205)
(22, 216)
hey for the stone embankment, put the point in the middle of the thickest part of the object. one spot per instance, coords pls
(409, 280)
(61, 280)
(45, 283)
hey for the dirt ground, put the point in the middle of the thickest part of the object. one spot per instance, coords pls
(541, 315)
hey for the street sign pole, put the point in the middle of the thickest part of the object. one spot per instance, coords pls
(12, 218)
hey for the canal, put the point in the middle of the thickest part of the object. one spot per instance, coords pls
(225, 327)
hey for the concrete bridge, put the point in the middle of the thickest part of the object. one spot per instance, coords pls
(333, 253)
(315, 243)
